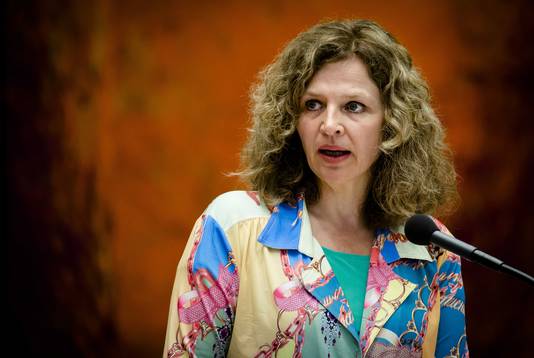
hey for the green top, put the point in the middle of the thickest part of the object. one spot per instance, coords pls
(351, 272)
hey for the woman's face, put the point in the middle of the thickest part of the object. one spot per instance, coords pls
(340, 123)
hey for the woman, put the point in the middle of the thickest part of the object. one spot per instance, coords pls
(313, 262)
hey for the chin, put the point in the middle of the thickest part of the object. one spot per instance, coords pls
(336, 181)
(340, 180)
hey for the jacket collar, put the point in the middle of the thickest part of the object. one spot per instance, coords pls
(289, 228)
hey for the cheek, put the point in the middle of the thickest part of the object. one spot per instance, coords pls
(376, 139)
(375, 144)
(306, 134)
(370, 140)
(375, 133)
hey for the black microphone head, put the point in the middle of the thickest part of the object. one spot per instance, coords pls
(419, 229)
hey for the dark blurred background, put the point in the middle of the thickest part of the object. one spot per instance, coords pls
(122, 117)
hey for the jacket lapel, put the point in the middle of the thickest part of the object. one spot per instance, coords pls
(386, 290)
(289, 228)
(385, 293)
(319, 280)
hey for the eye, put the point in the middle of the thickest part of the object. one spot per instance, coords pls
(312, 105)
(354, 107)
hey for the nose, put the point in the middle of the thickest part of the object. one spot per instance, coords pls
(331, 124)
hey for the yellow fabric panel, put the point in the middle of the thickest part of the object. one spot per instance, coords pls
(396, 292)
(180, 286)
(429, 345)
(252, 327)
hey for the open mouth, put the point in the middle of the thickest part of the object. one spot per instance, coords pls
(334, 153)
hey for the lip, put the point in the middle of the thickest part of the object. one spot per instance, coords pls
(332, 147)
(330, 159)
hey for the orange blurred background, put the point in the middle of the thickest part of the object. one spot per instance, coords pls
(123, 117)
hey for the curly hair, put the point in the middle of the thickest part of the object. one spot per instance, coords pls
(414, 172)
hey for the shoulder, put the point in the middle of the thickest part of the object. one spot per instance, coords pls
(234, 206)
(435, 252)
(395, 244)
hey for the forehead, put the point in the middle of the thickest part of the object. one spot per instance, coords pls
(345, 77)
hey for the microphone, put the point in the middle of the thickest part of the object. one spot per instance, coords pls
(422, 230)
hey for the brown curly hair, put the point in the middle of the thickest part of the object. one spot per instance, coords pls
(414, 172)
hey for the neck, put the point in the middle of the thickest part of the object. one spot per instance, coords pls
(337, 219)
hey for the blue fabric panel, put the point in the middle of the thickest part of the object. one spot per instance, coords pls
(213, 250)
(283, 229)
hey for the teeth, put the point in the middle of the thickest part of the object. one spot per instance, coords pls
(334, 153)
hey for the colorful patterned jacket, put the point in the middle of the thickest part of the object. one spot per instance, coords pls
(253, 282)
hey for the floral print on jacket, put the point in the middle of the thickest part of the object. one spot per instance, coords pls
(253, 282)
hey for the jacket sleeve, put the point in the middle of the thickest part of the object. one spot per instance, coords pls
(451, 340)
(204, 295)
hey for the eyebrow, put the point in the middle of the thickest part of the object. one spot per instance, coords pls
(357, 94)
